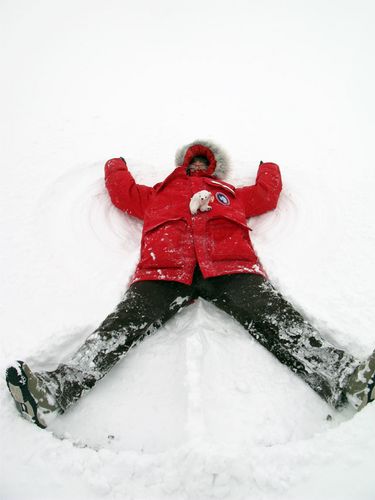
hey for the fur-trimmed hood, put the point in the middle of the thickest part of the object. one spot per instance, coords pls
(219, 163)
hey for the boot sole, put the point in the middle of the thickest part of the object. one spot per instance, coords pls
(364, 397)
(27, 406)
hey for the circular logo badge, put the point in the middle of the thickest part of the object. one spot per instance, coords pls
(222, 198)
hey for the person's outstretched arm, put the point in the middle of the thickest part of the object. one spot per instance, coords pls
(264, 194)
(125, 193)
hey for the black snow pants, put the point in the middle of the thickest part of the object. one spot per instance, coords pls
(248, 298)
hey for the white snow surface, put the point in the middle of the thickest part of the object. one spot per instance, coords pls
(199, 410)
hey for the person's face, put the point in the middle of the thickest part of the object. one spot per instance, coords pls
(198, 165)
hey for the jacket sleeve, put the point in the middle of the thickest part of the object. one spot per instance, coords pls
(264, 194)
(124, 192)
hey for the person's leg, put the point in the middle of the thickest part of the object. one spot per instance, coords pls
(279, 327)
(146, 306)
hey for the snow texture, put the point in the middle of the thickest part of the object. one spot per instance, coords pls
(199, 410)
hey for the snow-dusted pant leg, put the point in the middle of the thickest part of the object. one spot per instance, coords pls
(279, 327)
(147, 305)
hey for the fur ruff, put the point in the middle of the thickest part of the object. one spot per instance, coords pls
(221, 157)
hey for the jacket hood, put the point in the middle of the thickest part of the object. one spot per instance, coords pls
(219, 163)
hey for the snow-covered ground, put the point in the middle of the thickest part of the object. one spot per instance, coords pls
(199, 410)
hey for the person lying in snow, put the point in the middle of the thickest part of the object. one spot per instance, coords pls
(195, 243)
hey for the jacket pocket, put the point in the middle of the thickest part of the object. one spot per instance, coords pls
(228, 239)
(163, 244)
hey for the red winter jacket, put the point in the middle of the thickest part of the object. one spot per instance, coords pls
(174, 241)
